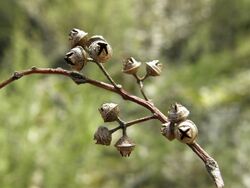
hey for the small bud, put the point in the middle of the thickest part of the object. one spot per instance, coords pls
(131, 66)
(100, 51)
(125, 146)
(77, 37)
(103, 136)
(76, 58)
(186, 132)
(167, 130)
(153, 68)
(177, 113)
(109, 112)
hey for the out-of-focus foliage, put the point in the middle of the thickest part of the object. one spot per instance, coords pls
(47, 122)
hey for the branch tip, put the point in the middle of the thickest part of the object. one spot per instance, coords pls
(214, 171)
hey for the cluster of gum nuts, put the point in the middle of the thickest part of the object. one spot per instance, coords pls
(84, 49)
(179, 126)
(103, 136)
(97, 49)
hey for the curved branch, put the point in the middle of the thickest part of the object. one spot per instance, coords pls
(211, 165)
(33, 70)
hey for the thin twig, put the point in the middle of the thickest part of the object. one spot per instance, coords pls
(142, 91)
(130, 123)
(34, 70)
(140, 83)
(107, 75)
(144, 77)
(140, 120)
(121, 122)
(210, 163)
(115, 129)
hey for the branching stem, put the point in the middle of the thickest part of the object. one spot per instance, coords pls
(133, 122)
(211, 165)
(140, 83)
(144, 77)
(115, 129)
(107, 75)
(140, 120)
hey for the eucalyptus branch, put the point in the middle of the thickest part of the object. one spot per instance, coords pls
(210, 163)
(17, 75)
(175, 125)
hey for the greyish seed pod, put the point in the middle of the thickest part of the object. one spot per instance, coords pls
(103, 136)
(95, 38)
(177, 113)
(76, 58)
(109, 112)
(77, 37)
(100, 51)
(186, 132)
(125, 146)
(167, 130)
(131, 66)
(153, 68)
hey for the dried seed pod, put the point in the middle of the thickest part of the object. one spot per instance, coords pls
(103, 136)
(186, 132)
(177, 113)
(100, 51)
(77, 37)
(109, 112)
(95, 38)
(153, 68)
(76, 58)
(125, 146)
(131, 66)
(167, 130)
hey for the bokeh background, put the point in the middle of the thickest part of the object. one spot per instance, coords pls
(47, 122)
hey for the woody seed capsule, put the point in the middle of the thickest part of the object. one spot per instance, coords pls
(109, 112)
(177, 113)
(77, 37)
(125, 146)
(153, 68)
(76, 58)
(131, 66)
(186, 132)
(103, 136)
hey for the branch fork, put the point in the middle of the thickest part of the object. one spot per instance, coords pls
(99, 56)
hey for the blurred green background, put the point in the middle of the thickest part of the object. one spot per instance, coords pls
(47, 122)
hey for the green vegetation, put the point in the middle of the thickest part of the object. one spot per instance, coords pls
(47, 122)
